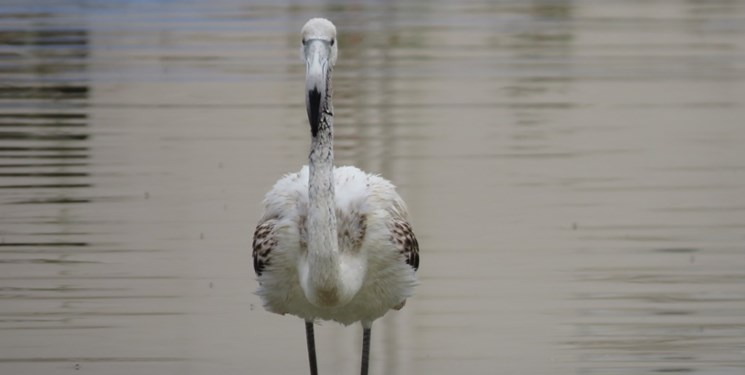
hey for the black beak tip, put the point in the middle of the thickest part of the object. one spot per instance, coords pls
(314, 110)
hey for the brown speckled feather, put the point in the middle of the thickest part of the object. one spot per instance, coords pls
(405, 241)
(263, 243)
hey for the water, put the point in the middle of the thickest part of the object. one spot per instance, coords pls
(574, 169)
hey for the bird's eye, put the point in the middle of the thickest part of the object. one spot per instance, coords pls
(332, 42)
(303, 41)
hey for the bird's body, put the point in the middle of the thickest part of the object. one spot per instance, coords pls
(333, 243)
(372, 234)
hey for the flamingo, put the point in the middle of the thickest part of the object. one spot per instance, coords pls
(334, 243)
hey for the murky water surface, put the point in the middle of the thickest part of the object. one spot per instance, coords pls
(575, 172)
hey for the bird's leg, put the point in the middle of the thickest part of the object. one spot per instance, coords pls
(366, 329)
(310, 337)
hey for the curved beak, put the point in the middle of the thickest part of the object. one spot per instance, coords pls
(317, 53)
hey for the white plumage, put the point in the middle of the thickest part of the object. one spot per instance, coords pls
(387, 277)
(333, 243)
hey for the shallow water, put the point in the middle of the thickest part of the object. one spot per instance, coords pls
(574, 169)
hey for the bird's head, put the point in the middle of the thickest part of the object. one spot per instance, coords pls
(319, 54)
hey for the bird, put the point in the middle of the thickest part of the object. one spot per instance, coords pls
(333, 243)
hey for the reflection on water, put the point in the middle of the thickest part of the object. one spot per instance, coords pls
(574, 169)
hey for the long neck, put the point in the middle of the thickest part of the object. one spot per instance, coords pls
(323, 277)
(322, 239)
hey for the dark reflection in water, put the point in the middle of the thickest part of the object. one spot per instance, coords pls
(35, 59)
(44, 160)
(53, 144)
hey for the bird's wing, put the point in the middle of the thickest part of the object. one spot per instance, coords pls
(282, 203)
(264, 242)
(380, 193)
(405, 241)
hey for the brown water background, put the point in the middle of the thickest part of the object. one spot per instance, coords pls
(575, 171)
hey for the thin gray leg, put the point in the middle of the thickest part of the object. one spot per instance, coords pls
(310, 337)
(365, 349)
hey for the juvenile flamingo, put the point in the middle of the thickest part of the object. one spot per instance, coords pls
(333, 243)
